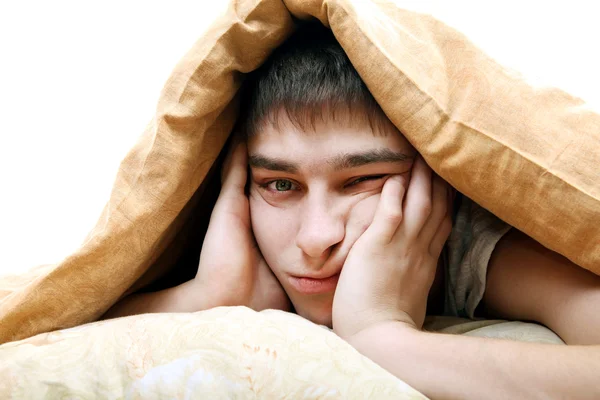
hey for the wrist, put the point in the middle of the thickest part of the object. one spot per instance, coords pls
(194, 296)
(379, 335)
(373, 323)
(175, 299)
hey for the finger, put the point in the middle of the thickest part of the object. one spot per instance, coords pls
(441, 236)
(226, 166)
(418, 199)
(235, 169)
(439, 209)
(445, 229)
(388, 214)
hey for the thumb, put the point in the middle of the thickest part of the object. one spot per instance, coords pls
(388, 214)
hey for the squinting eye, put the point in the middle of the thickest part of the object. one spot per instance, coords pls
(281, 185)
(365, 178)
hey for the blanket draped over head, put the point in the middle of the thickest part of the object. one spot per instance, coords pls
(529, 156)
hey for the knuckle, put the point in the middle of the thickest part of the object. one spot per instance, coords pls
(425, 207)
(394, 218)
(394, 215)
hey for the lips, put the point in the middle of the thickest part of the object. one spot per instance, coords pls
(307, 285)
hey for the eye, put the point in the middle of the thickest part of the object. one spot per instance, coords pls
(365, 178)
(280, 185)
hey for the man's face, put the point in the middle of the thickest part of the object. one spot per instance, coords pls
(311, 196)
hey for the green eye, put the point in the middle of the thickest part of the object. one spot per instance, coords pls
(283, 186)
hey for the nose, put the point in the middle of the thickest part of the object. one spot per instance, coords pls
(320, 229)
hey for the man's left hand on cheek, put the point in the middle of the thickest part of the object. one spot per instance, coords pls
(389, 271)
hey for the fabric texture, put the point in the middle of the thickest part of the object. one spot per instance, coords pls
(222, 353)
(528, 156)
(475, 233)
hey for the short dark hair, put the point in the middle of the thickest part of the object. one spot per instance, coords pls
(309, 78)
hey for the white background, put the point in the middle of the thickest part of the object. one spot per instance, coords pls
(79, 82)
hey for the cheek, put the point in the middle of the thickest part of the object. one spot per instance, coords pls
(361, 215)
(273, 229)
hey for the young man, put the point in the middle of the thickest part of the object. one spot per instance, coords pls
(343, 222)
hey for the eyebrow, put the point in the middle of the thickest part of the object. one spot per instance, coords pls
(339, 162)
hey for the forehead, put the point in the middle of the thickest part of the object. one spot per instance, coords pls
(326, 141)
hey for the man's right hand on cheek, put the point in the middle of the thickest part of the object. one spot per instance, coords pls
(232, 270)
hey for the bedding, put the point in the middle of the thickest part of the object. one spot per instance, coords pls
(529, 156)
(222, 353)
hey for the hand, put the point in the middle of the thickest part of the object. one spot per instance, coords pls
(390, 269)
(231, 270)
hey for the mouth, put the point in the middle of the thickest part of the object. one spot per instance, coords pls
(306, 285)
